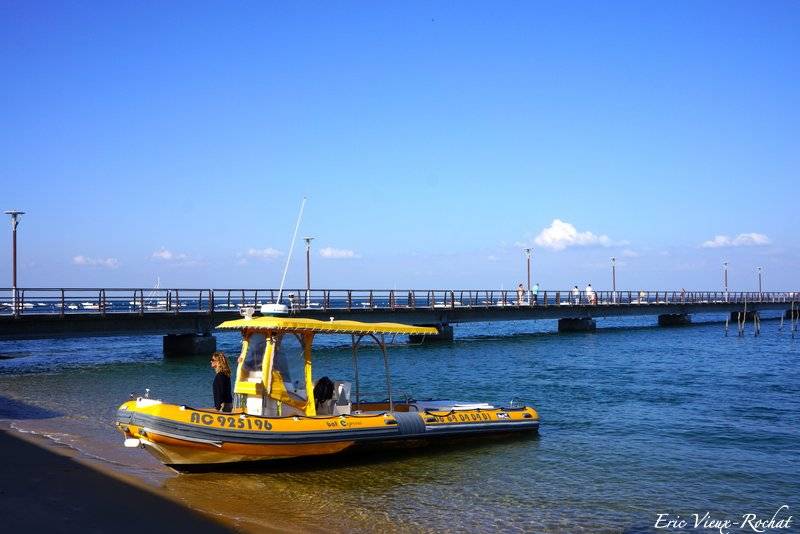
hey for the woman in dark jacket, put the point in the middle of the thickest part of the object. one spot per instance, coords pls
(223, 400)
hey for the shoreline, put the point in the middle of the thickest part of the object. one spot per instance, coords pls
(54, 486)
(85, 449)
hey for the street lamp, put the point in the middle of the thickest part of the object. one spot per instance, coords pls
(528, 256)
(15, 217)
(308, 270)
(614, 280)
(759, 282)
(725, 278)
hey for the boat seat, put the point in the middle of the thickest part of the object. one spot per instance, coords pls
(341, 397)
(339, 403)
(326, 407)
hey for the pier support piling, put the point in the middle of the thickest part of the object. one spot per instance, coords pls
(189, 344)
(744, 316)
(674, 319)
(445, 334)
(747, 316)
(583, 324)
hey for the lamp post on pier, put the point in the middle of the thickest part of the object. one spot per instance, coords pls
(614, 280)
(308, 270)
(759, 282)
(725, 278)
(15, 217)
(528, 256)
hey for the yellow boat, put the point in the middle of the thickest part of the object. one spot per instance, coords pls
(279, 416)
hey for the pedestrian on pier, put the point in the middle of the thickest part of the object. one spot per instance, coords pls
(223, 400)
(576, 294)
(535, 293)
(591, 296)
(520, 294)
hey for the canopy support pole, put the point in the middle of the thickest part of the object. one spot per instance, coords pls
(382, 344)
(355, 367)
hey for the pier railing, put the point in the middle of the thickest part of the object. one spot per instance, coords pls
(66, 301)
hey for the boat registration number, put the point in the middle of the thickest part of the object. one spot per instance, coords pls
(228, 421)
(462, 417)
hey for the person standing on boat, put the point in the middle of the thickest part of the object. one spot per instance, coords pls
(223, 400)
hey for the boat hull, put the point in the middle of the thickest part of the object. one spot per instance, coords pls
(182, 436)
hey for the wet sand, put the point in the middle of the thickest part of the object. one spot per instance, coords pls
(44, 487)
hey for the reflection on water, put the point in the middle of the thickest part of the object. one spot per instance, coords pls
(635, 422)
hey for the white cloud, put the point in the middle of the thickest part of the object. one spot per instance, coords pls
(751, 239)
(337, 253)
(108, 263)
(628, 253)
(167, 255)
(560, 235)
(268, 253)
(175, 258)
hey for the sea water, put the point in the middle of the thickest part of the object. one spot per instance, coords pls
(639, 425)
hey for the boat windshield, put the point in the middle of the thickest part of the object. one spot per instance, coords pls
(256, 345)
(289, 362)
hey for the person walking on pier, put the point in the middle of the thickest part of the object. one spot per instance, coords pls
(520, 294)
(576, 294)
(535, 293)
(223, 400)
(590, 295)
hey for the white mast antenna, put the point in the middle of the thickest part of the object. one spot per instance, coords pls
(291, 248)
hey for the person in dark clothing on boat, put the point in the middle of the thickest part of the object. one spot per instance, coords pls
(223, 400)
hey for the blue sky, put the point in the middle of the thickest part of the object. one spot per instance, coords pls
(433, 141)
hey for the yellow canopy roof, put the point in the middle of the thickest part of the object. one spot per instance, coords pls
(289, 324)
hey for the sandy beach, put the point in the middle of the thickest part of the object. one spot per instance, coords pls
(49, 488)
(52, 486)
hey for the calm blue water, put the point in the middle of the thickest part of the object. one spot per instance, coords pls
(636, 421)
